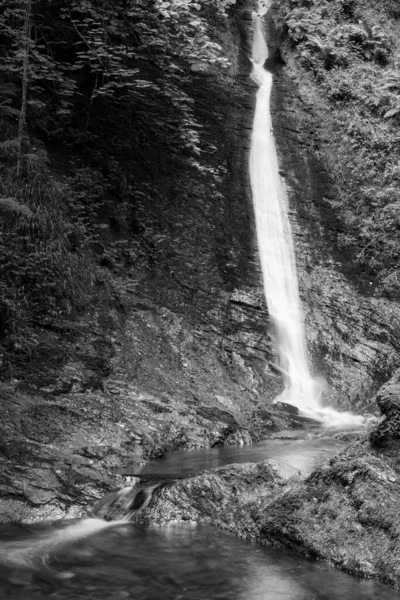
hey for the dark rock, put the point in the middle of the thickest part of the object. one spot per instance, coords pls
(279, 417)
(20, 577)
(44, 423)
(213, 413)
(157, 408)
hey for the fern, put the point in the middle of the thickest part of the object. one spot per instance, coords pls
(10, 206)
(9, 147)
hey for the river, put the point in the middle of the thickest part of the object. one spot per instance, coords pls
(92, 559)
(183, 563)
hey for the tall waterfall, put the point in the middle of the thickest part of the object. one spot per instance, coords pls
(277, 252)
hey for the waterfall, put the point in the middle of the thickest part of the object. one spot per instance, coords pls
(276, 251)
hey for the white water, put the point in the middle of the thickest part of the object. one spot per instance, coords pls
(277, 254)
(34, 552)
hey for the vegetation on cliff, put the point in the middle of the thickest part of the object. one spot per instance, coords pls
(92, 95)
(348, 52)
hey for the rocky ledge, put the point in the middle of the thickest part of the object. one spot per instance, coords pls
(61, 453)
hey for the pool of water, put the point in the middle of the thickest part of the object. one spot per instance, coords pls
(176, 563)
(292, 455)
(93, 559)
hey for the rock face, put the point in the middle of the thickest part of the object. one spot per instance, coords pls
(345, 513)
(352, 335)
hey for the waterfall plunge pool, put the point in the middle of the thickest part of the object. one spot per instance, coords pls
(179, 563)
(111, 561)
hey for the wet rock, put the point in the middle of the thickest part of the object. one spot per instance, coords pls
(266, 422)
(346, 513)
(225, 497)
(95, 452)
(239, 437)
(287, 408)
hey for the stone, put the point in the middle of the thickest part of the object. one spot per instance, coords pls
(225, 497)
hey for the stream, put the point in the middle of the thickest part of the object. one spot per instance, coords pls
(185, 563)
(292, 456)
(92, 559)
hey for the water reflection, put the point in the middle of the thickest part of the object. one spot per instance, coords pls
(183, 563)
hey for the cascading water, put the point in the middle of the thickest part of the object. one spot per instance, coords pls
(277, 252)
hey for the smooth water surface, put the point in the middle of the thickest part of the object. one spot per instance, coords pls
(290, 455)
(181, 563)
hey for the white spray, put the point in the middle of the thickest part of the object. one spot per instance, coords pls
(277, 252)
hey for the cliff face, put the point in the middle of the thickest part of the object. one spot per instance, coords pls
(351, 327)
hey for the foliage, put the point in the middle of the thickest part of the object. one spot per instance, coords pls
(107, 94)
(350, 53)
(92, 48)
(325, 31)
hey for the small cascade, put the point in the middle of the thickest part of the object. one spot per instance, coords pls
(277, 253)
(126, 503)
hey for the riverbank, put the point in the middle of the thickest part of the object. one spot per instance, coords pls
(60, 453)
(345, 512)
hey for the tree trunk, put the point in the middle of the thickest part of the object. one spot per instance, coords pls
(25, 80)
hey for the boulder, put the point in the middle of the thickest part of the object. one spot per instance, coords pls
(226, 497)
